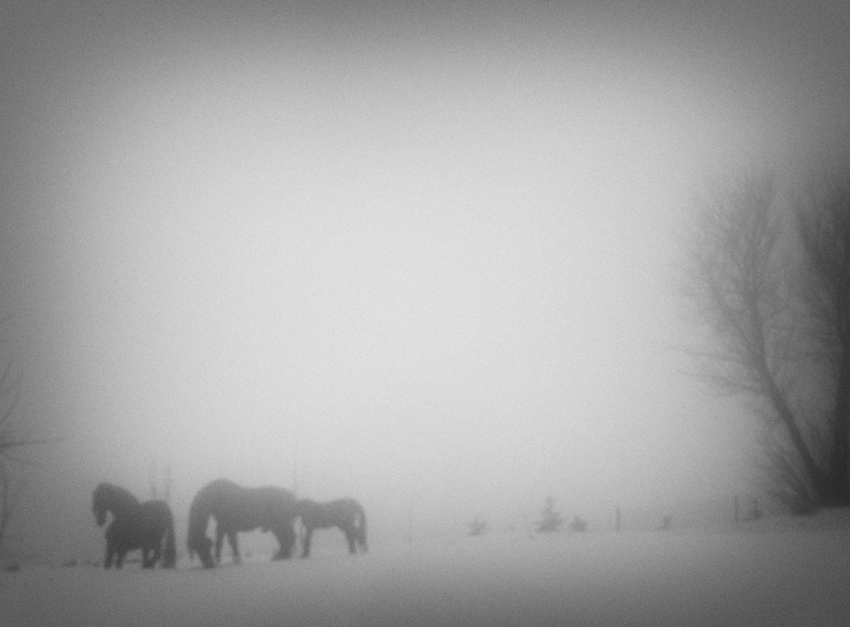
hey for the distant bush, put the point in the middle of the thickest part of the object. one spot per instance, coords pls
(578, 524)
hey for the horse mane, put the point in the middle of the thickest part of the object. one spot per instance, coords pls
(116, 493)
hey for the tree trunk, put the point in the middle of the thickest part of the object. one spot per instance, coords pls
(839, 488)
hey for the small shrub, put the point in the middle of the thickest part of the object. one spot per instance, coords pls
(477, 527)
(578, 524)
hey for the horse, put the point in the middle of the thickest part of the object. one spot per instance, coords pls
(347, 514)
(134, 525)
(236, 509)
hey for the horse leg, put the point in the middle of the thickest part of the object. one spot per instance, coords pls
(361, 535)
(219, 540)
(234, 547)
(150, 556)
(308, 535)
(350, 535)
(286, 540)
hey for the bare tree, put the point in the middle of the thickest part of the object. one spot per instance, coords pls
(12, 445)
(772, 286)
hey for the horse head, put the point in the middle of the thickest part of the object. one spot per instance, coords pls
(112, 498)
(202, 545)
(99, 505)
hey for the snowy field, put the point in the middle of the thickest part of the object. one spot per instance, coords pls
(775, 572)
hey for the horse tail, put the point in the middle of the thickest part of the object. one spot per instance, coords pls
(362, 526)
(169, 553)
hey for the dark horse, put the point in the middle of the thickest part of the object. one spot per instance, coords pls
(238, 509)
(134, 526)
(347, 514)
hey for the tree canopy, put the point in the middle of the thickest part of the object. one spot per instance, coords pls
(770, 281)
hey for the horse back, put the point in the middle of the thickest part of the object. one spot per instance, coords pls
(157, 513)
(238, 508)
(340, 512)
(144, 526)
(349, 508)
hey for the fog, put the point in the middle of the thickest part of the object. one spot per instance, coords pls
(420, 254)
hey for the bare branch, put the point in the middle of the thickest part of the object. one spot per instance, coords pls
(8, 445)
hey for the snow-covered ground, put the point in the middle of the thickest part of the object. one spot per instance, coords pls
(778, 571)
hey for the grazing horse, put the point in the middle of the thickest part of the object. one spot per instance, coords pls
(134, 526)
(237, 509)
(347, 514)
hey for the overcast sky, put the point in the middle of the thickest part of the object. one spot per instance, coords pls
(404, 251)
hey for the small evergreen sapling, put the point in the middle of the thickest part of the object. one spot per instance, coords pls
(552, 519)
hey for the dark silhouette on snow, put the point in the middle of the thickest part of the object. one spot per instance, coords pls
(148, 526)
(347, 514)
(238, 509)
